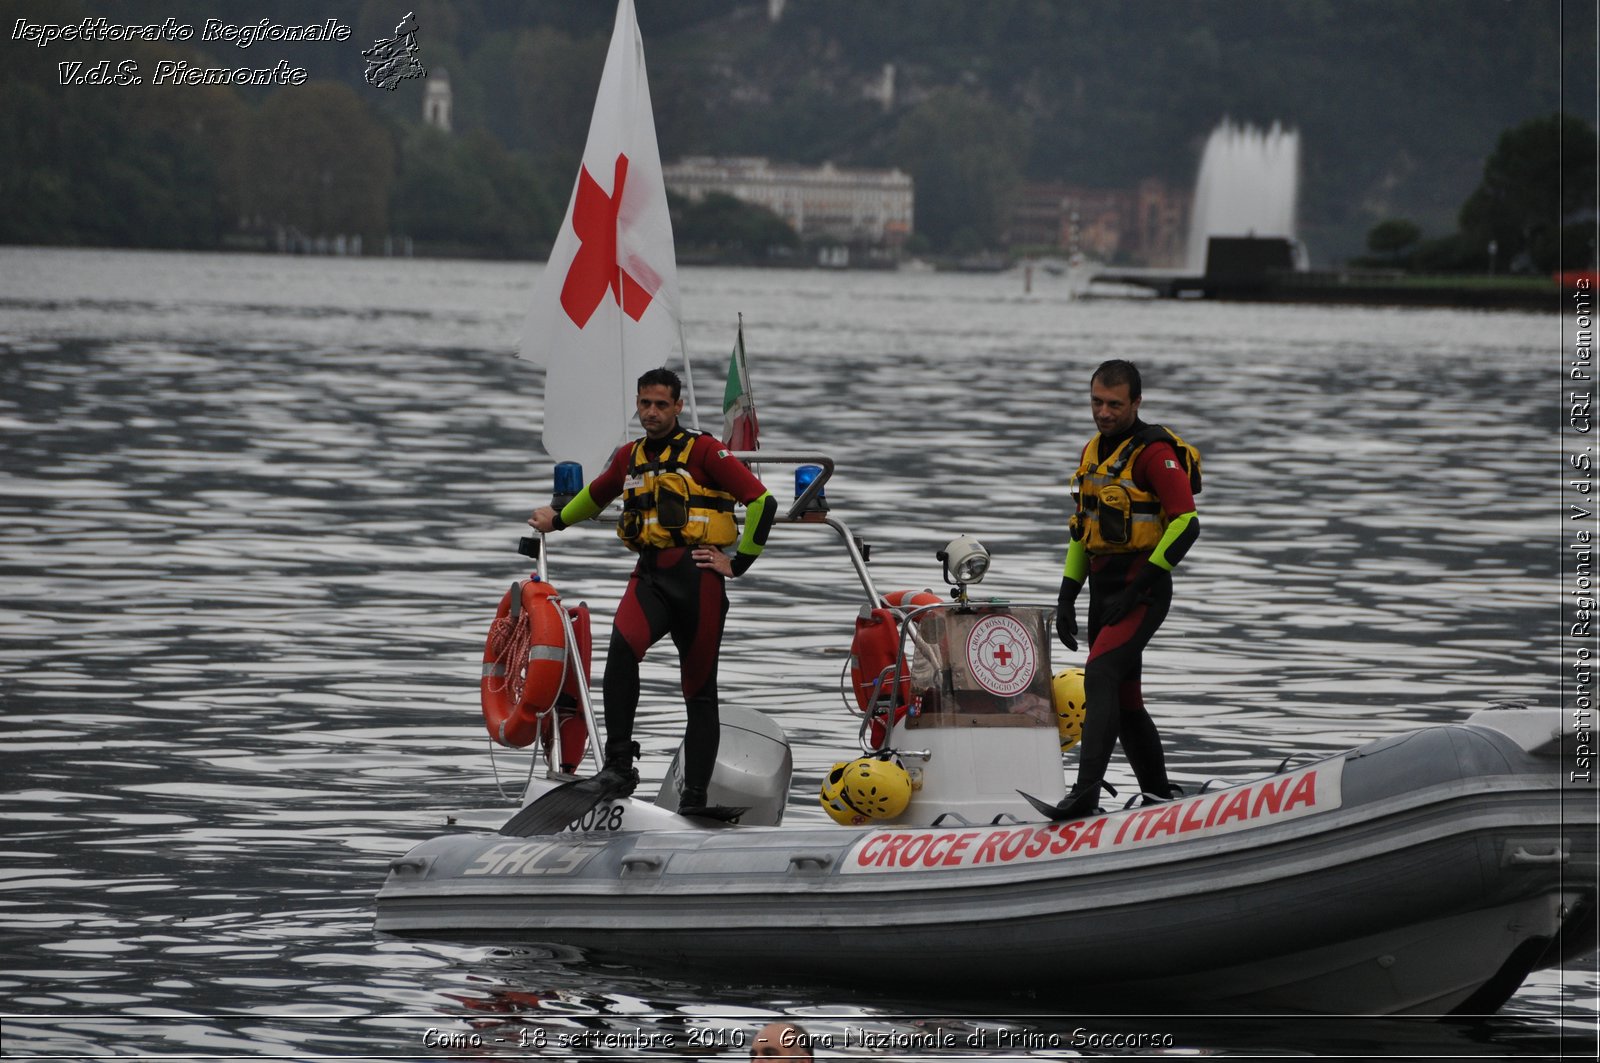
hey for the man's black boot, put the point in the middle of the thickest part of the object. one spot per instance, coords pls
(618, 775)
(692, 802)
(1082, 800)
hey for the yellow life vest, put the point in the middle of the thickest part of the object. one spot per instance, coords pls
(663, 506)
(1114, 516)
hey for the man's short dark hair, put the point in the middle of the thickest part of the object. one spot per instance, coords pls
(665, 378)
(1119, 371)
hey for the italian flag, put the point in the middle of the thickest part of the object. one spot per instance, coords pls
(739, 427)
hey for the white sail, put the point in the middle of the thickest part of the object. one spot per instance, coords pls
(606, 307)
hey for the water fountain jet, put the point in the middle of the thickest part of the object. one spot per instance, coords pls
(1247, 186)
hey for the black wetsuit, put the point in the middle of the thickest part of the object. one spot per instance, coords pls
(669, 594)
(1113, 695)
(1114, 707)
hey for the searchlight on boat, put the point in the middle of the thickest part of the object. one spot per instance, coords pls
(965, 561)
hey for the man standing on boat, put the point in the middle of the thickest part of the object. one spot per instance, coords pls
(1135, 520)
(678, 491)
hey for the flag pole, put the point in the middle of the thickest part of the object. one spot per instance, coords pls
(688, 377)
(744, 375)
(626, 396)
(744, 382)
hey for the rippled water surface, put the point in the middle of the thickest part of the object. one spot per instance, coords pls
(255, 513)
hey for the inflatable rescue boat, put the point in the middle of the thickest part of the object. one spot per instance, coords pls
(1428, 872)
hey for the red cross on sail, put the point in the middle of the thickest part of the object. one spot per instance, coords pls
(595, 269)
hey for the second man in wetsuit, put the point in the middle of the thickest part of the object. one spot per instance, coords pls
(1135, 521)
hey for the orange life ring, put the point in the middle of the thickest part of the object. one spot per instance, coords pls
(524, 662)
(877, 644)
(907, 600)
(497, 689)
(872, 651)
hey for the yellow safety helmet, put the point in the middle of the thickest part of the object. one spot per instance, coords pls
(865, 789)
(1066, 692)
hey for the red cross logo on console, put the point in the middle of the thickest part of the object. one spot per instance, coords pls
(1001, 655)
(595, 268)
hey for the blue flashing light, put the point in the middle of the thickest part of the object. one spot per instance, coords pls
(569, 478)
(803, 476)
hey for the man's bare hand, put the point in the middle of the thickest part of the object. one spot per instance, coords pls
(714, 559)
(543, 519)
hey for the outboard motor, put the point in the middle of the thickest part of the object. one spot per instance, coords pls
(752, 772)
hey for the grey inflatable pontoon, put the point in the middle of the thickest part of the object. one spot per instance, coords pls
(1428, 872)
(1424, 873)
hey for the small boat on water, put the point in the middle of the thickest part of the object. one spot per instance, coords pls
(1428, 872)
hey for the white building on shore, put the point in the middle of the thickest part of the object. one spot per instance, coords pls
(871, 208)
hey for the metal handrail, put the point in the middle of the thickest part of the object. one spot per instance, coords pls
(813, 489)
(799, 512)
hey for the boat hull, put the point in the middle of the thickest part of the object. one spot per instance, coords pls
(1425, 873)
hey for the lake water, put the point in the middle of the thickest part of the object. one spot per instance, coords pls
(256, 512)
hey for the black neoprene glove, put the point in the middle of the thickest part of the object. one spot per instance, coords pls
(1067, 613)
(1136, 592)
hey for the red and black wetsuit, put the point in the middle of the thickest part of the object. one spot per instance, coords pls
(1113, 696)
(669, 594)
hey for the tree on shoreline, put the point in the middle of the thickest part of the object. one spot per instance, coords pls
(1533, 212)
(319, 162)
(965, 154)
(1536, 203)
